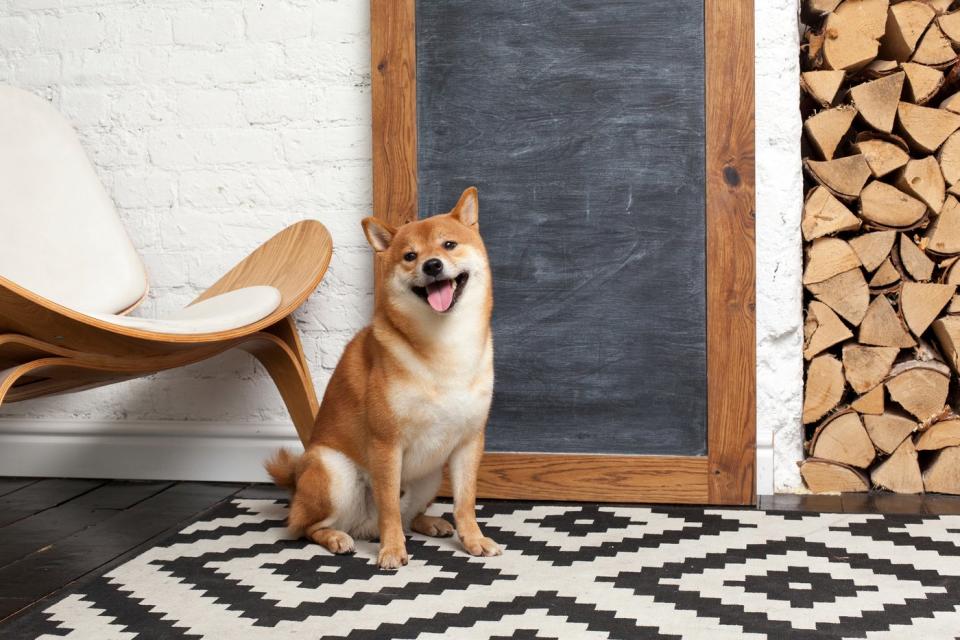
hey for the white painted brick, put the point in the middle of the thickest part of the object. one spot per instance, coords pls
(779, 261)
(26, 6)
(71, 31)
(346, 105)
(236, 64)
(350, 142)
(145, 25)
(331, 62)
(114, 148)
(213, 107)
(277, 20)
(207, 26)
(17, 34)
(304, 145)
(277, 102)
(36, 70)
(235, 146)
(85, 106)
(141, 189)
(341, 20)
(112, 66)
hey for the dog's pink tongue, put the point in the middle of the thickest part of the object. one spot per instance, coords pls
(440, 295)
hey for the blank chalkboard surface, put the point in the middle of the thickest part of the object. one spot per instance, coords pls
(582, 124)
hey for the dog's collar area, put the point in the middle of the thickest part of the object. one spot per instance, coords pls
(460, 283)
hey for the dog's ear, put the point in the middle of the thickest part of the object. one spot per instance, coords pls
(379, 233)
(467, 210)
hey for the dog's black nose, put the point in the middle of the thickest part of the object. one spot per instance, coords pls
(432, 267)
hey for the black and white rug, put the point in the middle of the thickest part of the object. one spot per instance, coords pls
(568, 571)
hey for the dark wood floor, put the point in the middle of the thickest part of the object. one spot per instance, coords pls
(55, 532)
(874, 502)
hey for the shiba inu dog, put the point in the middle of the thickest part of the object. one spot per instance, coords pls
(411, 393)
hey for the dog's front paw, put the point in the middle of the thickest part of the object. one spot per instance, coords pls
(392, 557)
(481, 546)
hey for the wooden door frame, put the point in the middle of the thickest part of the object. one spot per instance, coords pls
(726, 474)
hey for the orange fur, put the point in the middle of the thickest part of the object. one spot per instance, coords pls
(410, 394)
(282, 468)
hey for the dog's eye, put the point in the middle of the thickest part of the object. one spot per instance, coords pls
(410, 256)
(449, 244)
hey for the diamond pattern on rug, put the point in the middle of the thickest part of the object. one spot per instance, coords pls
(568, 571)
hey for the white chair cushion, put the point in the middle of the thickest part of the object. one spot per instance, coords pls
(230, 310)
(60, 236)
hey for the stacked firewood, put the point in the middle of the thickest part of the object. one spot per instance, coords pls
(881, 225)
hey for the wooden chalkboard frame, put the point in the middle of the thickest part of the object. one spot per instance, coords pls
(726, 474)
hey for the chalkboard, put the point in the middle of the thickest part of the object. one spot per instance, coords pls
(582, 124)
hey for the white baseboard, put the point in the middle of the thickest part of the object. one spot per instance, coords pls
(170, 450)
(765, 461)
(213, 451)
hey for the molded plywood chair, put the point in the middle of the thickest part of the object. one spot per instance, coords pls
(69, 276)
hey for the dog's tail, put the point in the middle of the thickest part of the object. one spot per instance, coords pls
(282, 467)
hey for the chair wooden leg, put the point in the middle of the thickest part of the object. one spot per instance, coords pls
(283, 363)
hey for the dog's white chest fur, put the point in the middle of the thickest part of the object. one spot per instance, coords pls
(441, 404)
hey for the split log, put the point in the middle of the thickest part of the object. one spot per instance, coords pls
(950, 25)
(945, 433)
(901, 471)
(942, 475)
(940, 6)
(823, 85)
(923, 82)
(824, 387)
(949, 158)
(844, 177)
(842, 438)
(920, 303)
(870, 403)
(951, 273)
(882, 327)
(846, 293)
(889, 430)
(853, 31)
(954, 306)
(827, 257)
(877, 101)
(906, 23)
(880, 68)
(824, 215)
(923, 180)
(885, 277)
(914, 261)
(823, 476)
(887, 206)
(920, 387)
(823, 329)
(951, 103)
(873, 248)
(866, 367)
(827, 128)
(935, 49)
(883, 154)
(926, 128)
(943, 235)
(820, 7)
(946, 330)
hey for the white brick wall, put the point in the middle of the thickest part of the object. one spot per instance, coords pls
(213, 125)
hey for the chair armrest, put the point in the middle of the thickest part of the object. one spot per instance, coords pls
(294, 261)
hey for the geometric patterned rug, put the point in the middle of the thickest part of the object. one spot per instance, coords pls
(567, 571)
